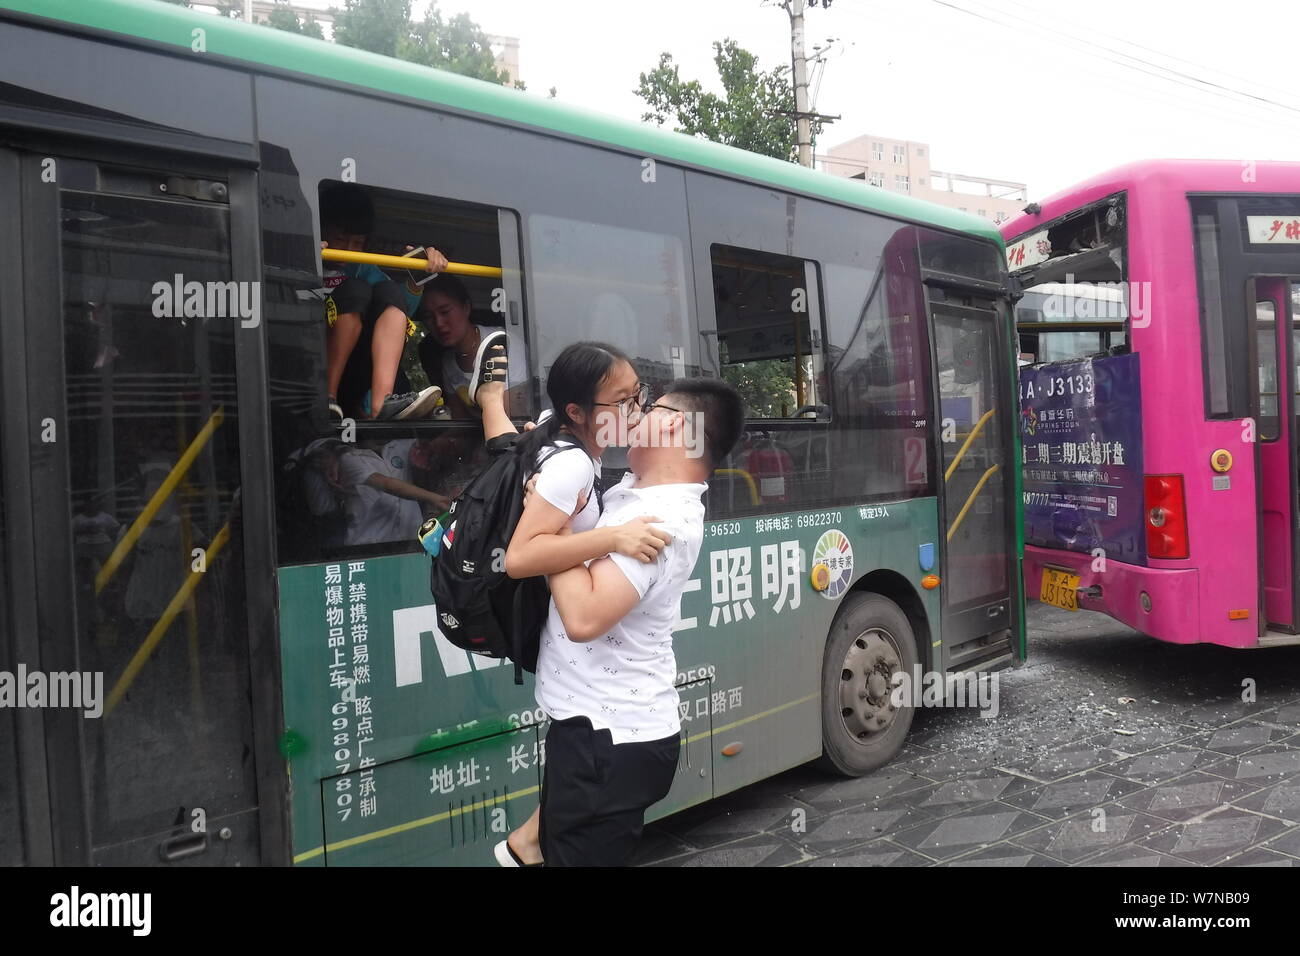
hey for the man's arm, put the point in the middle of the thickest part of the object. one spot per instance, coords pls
(404, 489)
(592, 600)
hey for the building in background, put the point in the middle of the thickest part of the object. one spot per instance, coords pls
(903, 166)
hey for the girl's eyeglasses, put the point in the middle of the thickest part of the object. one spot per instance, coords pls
(633, 403)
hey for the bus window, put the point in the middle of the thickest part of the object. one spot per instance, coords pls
(626, 287)
(1266, 349)
(876, 360)
(365, 488)
(154, 489)
(769, 332)
(769, 346)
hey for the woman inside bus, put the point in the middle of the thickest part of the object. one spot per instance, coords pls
(455, 344)
(588, 382)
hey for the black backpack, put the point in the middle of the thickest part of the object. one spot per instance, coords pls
(480, 608)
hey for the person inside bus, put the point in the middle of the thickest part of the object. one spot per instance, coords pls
(456, 347)
(367, 315)
(383, 504)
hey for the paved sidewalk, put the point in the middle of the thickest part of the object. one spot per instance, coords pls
(1186, 775)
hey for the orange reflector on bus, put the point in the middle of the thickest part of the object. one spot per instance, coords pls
(930, 582)
(1240, 614)
(820, 577)
(732, 749)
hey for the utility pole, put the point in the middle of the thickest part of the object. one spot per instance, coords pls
(802, 114)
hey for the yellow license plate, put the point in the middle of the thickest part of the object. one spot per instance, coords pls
(1060, 589)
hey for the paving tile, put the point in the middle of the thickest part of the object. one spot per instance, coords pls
(973, 829)
(1133, 855)
(839, 793)
(1085, 835)
(878, 853)
(1260, 856)
(1277, 800)
(1187, 796)
(1163, 764)
(1288, 843)
(1065, 761)
(1267, 765)
(1237, 739)
(764, 849)
(1002, 855)
(1213, 838)
(1067, 797)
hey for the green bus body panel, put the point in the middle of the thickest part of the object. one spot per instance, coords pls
(274, 49)
(456, 748)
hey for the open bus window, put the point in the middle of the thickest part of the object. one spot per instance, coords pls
(769, 332)
(365, 487)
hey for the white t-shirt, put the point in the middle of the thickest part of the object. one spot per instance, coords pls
(623, 681)
(375, 516)
(454, 378)
(565, 476)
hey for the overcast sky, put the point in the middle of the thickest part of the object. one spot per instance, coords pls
(1045, 93)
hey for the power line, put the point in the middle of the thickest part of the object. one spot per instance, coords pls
(1216, 89)
(1157, 95)
(1138, 46)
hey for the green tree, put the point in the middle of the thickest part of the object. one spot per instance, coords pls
(457, 44)
(284, 17)
(375, 25)
(766, 385)
(754, 112)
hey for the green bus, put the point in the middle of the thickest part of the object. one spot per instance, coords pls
(177, 514)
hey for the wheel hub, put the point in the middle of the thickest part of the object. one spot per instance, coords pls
(869, 664)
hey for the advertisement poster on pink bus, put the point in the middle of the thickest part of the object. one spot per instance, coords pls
(1082, 432)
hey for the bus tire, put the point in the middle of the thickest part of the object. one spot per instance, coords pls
(870, 640)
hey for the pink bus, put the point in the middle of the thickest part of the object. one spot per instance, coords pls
(1159, 330)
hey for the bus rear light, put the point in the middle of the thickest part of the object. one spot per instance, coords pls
(1166, 516)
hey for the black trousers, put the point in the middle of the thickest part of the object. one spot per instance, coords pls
(595, 792)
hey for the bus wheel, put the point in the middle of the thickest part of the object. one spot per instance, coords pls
(862, 729)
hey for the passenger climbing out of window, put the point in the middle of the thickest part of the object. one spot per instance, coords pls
(456, 346)
(368, 317)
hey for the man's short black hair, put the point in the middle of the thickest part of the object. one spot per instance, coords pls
(346, 207)
(722, 409)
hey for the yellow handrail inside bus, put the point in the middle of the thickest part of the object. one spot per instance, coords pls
(749, 480)
(966, 507)
(109, 568)
(966, 444)
(414, 263)
(174, 607)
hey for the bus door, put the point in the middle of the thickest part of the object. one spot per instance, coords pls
(1275, 321)
(978, 537)
(132, 366)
